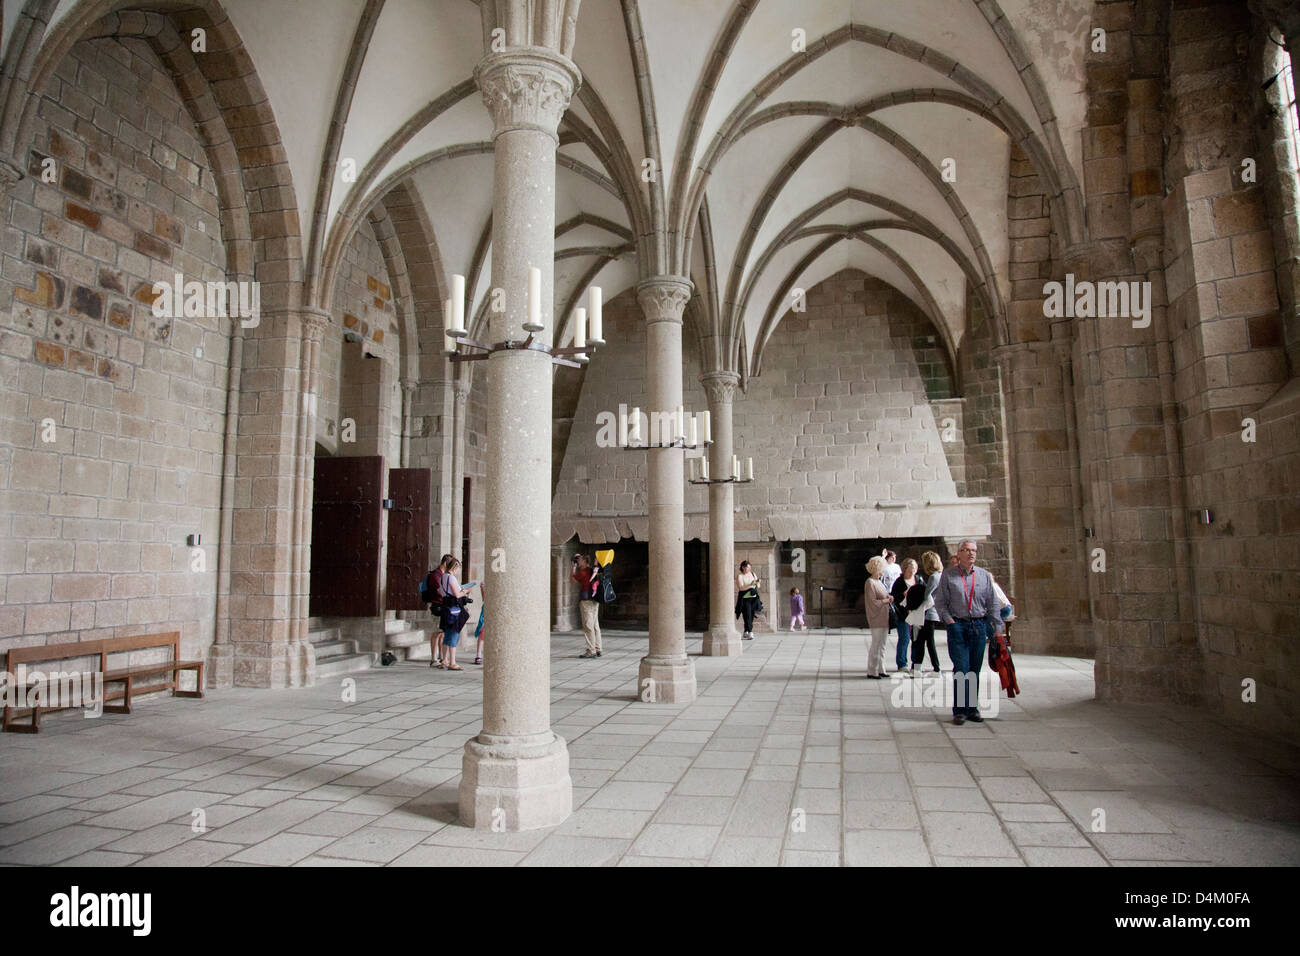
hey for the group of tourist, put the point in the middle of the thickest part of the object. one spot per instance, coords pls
(448, 600)
(964, 598)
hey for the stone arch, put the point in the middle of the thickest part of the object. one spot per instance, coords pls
(907, 220)
(1067, 202)
(225, 97)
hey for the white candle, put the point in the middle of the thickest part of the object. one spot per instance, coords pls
(690, 467)
(681, 424)
(580, 333)
(749, 469)
(735, 466)
(694, 431)
(708, 427)
(534, 323)
(622, 426)
(636, 425)
(704, 467)
(596, 328)
(447, 321)
(458, 304)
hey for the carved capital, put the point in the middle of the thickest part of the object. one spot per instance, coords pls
(720, 386)
(527, 89)
(314, 324)
(10, 175)
(462, 389)
(664, 298)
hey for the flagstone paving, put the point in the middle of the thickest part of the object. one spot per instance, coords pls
(788, 757)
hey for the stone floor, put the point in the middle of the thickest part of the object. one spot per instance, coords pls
(789, 756)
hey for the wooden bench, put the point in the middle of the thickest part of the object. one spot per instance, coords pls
(126, 676)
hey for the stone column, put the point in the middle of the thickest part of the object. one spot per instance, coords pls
(666, 673)
(301, 663)
(563, 590)
(721, 639)
(460, 420)
(515, 773)
(409, 386)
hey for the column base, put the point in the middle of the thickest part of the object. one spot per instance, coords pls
(221, 666)
(666, 680)
(510, 784)
(722, 641)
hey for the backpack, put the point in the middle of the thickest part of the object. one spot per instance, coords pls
(431, 589)
(604, 590)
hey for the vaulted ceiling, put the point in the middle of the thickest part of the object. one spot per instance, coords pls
(758, 146)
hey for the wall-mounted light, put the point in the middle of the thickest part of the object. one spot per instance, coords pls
(1088, 532)
(1203, 516)
(193, 540)
(352, 337)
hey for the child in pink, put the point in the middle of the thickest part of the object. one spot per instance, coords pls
(796, 610)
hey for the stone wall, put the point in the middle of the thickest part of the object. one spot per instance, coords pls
(1231, 367)
(94, 522)
(837, 420)
(363, 306)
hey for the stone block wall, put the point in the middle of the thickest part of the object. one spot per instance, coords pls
(363, 305)
(93, 524)
(612, 481)
(1224, 275)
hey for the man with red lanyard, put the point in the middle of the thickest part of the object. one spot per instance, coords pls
(969, 608)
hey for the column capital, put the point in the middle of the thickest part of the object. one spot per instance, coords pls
(720, 386)
(314, 323)
(664, 298)
(461, 385)
(10, 175)
(527, 88)
(409, 385)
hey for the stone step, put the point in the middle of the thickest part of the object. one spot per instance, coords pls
(344, 664)
(397, 626)
(416, 652)
(324, 635)
(407, 638)
(334, 648)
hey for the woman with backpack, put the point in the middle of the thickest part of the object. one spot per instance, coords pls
(433, 593)
(453, 615)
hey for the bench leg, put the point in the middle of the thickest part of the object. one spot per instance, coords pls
(198, 687)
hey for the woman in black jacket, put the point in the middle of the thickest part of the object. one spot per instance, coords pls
(908, 595)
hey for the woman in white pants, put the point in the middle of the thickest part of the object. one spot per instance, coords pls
(877, 603)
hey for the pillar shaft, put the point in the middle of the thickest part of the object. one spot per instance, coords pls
(563, 590)
(666, 673)
(721, 639)
(516, 771)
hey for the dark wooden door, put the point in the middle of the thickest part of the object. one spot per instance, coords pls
(408, 536)
(345, 519)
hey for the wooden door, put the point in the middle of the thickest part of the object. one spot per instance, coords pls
(345, 520)
(411, 490)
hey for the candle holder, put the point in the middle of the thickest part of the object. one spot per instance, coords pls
(735, 479)
(483, 350)
(574, 356)
(675, 443)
